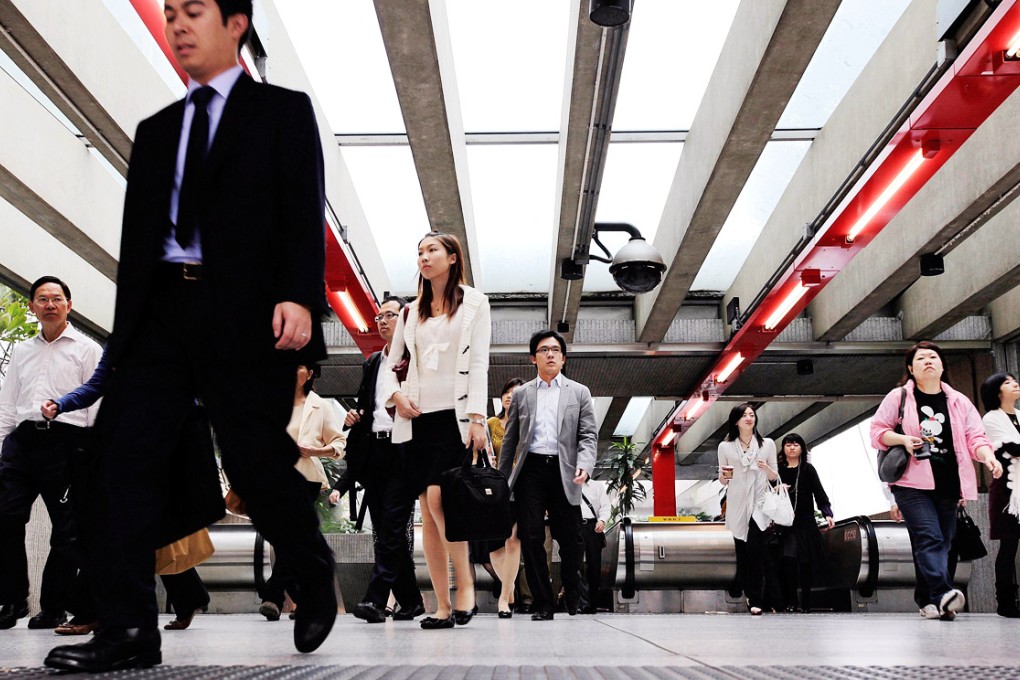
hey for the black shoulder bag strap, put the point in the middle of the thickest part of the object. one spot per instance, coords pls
(903, 400)
(590, 506)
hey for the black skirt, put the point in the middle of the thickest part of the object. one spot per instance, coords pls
(435, 447)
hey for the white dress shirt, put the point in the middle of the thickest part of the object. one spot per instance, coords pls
(223, 84)
(382, 421)
(595, 492)
(546, 431)
(41, 370)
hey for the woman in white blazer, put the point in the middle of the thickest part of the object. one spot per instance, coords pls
(316, 427)
(441, 405)
(1000, 393)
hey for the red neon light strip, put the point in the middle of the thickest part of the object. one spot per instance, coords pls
(341, 276)
(964, 98)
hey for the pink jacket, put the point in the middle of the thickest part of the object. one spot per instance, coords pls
(968, 435)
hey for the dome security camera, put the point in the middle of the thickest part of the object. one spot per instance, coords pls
(637, 267)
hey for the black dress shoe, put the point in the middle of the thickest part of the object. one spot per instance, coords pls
(432, 623)
(10, 613)
(587, 610)
(571, 601)
(402, 614)
(109, 650)
(542, 616)
(47, 620)
(505, 615)
(370, 611)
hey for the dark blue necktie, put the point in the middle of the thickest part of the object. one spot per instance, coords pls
(188, 207)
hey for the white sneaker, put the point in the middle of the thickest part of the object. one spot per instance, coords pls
(953, 601)
(929, 611)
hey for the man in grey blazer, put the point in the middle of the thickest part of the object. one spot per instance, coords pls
(552, 433)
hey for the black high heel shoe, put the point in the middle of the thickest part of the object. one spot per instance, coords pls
(463, 618)
(505, 615)
(432, 623)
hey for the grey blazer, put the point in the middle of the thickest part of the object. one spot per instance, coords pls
(578, 435)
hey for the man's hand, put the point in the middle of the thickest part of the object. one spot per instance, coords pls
(292, 325)
(334, 497)
(353, 416)
(580, 477)
(49, 409)
(600, 527)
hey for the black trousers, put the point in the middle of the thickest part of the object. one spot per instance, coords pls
(247, 389)
(1005, 571)
(37, 462)
(538, 490)
(390, 504)
(592, 563)
(185, 592)
(756, 571)
(284, 577)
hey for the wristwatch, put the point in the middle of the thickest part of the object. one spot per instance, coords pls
(478, 421)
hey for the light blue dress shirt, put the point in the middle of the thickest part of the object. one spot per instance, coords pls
(223, 84)
(546, 431)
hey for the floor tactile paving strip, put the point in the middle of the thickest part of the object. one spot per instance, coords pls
(541, 673)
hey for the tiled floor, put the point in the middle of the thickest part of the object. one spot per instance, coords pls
(724, 645)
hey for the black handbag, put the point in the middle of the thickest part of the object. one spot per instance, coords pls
(892, 462)
(967, 543)
(476, 502)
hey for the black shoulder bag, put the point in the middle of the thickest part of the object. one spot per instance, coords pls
(892, 462)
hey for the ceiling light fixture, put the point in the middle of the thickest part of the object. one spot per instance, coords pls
(694, 408)
(1013, 51)
(784, 308)
(737, 359)
(667, 439)
(352, 310)
(890, 191)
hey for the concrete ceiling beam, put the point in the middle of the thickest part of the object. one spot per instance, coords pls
(1005, 313)
(979, 270)
(833, 419)
(417, 40)
(776, 419)
(769, 46)
(578, 150)
(50, 175)
(68, 49)
(890, 77)
(967, 195)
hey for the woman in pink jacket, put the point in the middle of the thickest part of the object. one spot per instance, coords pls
(942, 432)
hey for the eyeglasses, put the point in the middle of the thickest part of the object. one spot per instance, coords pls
(548, 350)
(43, 300)
(389, 316)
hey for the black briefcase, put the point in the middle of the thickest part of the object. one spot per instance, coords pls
(476, 502)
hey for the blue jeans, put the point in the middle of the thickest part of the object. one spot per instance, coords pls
(931, 523)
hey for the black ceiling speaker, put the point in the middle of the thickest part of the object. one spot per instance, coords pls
(932, 265)
(610, 13)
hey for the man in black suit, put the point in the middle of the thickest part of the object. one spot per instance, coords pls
(380, 465)
(220, 285)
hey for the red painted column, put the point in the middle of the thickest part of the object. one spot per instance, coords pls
(664, 480)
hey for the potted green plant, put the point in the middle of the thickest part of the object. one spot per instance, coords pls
(625, 470)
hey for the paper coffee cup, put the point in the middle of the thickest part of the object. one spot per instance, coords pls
(727, 471)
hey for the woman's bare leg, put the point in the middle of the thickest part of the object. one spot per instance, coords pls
(506, 560)
(436, 556)
(457, 551)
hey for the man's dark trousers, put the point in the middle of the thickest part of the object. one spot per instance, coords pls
(37, 462)
(390, 504)
(539, 489)
(172, 359)
(592, 541)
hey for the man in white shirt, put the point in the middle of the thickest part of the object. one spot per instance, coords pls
(551, 440)
(595, 509)
(35, 458)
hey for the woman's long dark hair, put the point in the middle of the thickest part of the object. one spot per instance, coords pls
(990, 390)
(510, 384)
(736, 413)
(908, 361)
(313, 370)
(792, 438)
(453, 296)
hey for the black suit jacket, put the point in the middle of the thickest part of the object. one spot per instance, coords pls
(357, 444)
(261, 218)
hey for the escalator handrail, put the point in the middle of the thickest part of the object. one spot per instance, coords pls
(870, 584)
(628, 588)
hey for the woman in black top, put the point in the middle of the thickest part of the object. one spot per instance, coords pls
(802, 542)
(1000, 394)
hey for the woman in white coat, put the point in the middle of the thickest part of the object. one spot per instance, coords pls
(999, 394)
(440, 407)
(747, 467)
